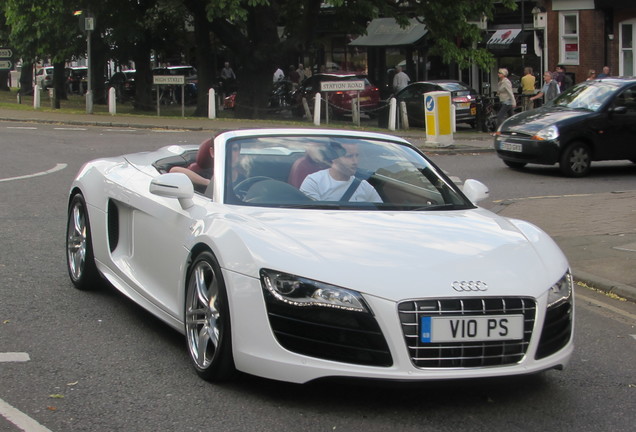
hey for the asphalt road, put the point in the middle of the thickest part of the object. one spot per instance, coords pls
(97, 362)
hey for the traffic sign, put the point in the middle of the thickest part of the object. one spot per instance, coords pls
(168, 79)
(5, 64)
(6, 53)
(342, 85)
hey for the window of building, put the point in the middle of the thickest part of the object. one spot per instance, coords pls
(569, 38)
(627, 36)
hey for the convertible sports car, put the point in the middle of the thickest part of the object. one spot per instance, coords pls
(401, 277)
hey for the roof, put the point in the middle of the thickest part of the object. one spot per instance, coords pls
(387, 32)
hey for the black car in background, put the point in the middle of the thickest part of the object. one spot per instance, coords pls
(463, 98)
(592, 121)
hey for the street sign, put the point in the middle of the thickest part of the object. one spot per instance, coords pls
(6, 53)
(5, 65)
(168, 79)
(342, 85)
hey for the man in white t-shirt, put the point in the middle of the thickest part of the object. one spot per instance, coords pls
(333, 183)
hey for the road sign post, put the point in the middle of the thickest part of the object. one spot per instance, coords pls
(335, 86)
(159, 80)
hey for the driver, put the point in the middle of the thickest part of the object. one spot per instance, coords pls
(338, 182)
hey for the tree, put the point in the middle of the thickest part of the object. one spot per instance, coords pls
(249, 28)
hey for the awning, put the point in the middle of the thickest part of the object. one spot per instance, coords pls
(387, 32)
(508, 42)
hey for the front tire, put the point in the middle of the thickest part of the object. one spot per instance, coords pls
(79, 248)
(207, 320)
(576, 160)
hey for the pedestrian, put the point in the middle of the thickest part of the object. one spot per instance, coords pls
(506, 96)
(400, 80)
(279, 75)
(550, 88)
(228, 79)
(562, 78)
(591, 74)
(528, 82)
(605, 73)
(301, 73)
(294, 77)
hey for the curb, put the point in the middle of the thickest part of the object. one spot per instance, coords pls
(605, 285)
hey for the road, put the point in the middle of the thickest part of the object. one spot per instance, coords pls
(93, 361)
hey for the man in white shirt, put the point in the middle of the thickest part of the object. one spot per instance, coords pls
(400, 80)
(333, 183)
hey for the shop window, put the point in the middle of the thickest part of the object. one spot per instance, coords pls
(569, 38)
(627, 36)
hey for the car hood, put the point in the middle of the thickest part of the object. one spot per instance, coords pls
(533, 121)
(399, 255)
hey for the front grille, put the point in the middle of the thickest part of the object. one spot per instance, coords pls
(557, 330)
(328, 333)
(465, 354)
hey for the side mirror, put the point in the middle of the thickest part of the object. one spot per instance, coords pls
(475, 190)
(174, 185)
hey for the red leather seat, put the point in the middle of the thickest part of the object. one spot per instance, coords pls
(203, 161)
(301, 168)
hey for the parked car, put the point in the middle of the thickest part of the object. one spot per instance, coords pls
(77, 79)
(592, 121)
(339, 101)
(44, 77)
(124, 84)
(463, 98)
(413, 283)
(172, 94)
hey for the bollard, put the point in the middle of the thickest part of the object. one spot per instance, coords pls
(392, 112)
(19, 98)
(355, 114)
(317, 105)
(211, 104)
(404, 115)
(112, 101)
(36, 97)
(52, 97)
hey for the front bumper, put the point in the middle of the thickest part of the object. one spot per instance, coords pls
(257, 351)
(517, 148)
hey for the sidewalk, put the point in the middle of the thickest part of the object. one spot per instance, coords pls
(597, 232)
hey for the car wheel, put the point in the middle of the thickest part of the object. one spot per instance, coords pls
(576, 160)
(79, 248)
(515, 165)
(207, 320)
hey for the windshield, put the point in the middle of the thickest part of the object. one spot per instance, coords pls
(590, 95)
(335, 172)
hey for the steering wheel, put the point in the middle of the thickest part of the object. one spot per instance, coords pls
(240, 190)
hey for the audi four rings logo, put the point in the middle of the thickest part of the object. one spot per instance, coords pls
(466, 286)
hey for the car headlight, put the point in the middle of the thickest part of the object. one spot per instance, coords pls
(549, 133)
(561, 291)
(299, 291)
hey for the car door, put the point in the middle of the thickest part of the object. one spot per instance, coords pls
(155, 258)
(619, 137)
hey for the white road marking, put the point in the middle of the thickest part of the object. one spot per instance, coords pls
(57, 167)
(70, 128)
(120, 130)
(21, 127)
(20, 419)
(14, 357)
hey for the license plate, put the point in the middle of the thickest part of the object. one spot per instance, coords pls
(473, 111)
(514, 147)
(463, 105)
(478, 328)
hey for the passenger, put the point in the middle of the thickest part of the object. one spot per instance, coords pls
(200, 173)
(338, 182)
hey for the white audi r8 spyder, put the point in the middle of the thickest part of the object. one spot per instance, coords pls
(283, 268)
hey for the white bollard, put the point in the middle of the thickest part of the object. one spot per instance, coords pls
(355, 115)
(392, 112)
(453, 119)
(36, 97)
(317, 106)
(211, 104)
(404, 115)
(112, 101)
